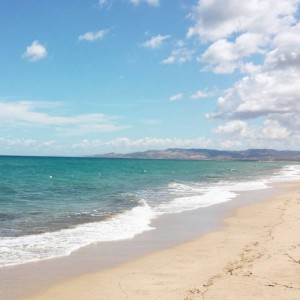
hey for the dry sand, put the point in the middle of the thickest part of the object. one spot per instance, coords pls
(256, 256)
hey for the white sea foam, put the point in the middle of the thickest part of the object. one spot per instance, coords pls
(287, 173)
(24, 249)
(247, 185)
(212, 196)
(203, 196)
(184, 187)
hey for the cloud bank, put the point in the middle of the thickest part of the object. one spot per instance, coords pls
(261, 40)
(26, 113)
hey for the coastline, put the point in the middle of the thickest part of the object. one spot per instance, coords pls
(256, 255)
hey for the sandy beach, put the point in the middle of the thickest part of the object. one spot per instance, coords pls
(150, 150)
(256, 256)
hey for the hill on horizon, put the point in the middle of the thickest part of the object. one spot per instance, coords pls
(209, 154)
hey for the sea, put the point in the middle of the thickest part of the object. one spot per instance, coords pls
(51, 206)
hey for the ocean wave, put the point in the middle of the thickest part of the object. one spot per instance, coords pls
(200, 195)
(19, 250)
(287, 173)
(175, 197)
(184, 187)
(212, 196)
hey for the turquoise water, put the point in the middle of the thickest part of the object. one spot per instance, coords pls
(52, 206)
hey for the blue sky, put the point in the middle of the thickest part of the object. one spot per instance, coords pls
(95, 76)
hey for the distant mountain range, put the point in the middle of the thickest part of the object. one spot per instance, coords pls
(209, 154)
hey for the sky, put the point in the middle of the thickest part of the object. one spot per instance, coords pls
(97, 76)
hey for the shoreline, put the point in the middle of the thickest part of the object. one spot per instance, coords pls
(82, 285)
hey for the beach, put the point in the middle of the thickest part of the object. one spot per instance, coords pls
(149, 149)
(255, 256)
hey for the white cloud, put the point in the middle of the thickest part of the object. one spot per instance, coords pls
(180, 56)
(225, 57)
(217, 19)
(273, 130)
(244, 29)
(155, 42)
(220, 57)
(232, 128)
(48, 143)
(228, 144)
(220, 51)
(262, 94)
(35, 52)
(93, 36)
(109, 3)
(29, 114)
(289, 38)
(8, 143)
(286, 51)
(170, 60)
(176, 97)
(104, 3)
(199, 95)
(262, 39)
(271, 133)
(150, 2)
(126, 144)
(29, 146)
(250, 68)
